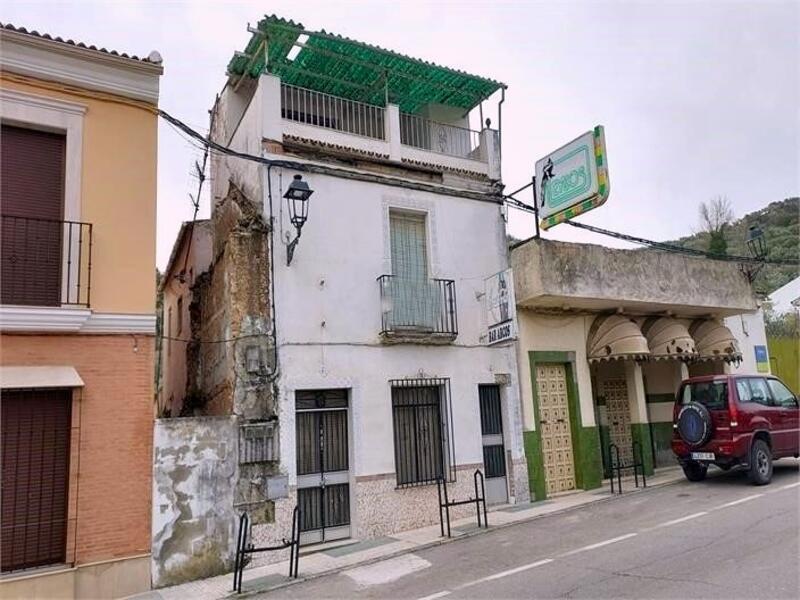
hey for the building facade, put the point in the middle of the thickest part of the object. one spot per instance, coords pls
(606, 337)
(190, 257)
(79, 143)
(358, 369)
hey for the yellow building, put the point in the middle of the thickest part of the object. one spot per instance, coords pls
(77, 315)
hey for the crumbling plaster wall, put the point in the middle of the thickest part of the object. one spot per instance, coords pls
(202, 480)
(194, 523)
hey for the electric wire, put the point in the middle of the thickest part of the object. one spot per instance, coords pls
(665, 246)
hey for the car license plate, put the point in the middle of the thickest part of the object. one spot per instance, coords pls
(702, 456)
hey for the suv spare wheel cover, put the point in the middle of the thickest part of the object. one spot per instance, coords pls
(694, 424)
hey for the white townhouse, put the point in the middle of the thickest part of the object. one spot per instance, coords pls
(370, 372)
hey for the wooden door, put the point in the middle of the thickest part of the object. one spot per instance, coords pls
(618, 414)
(556, 434)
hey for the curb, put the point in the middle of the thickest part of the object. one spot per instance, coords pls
(442, 541)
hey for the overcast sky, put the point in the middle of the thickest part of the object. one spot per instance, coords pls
(697, 98)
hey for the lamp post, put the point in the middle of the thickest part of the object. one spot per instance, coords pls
(757, 247)
(297, 194)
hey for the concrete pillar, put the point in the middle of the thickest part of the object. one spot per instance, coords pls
(636, 395)
(269, 96)
(640, 428)
(490, 145)
(681, 372)
(392, 126)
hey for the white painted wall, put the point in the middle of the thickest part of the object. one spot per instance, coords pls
(329, 312)
(554, 333)
(750, 332)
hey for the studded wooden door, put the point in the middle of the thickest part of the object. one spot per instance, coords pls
(559, 466)
(618, 415)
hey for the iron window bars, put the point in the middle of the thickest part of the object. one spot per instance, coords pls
(424, 444)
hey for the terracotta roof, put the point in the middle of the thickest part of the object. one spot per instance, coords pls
(156, 60)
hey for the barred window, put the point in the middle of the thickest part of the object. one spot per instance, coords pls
(423, 440)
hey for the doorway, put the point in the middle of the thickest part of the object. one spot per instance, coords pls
(323, 476)
(494, 454)
(554, 423)
(618, 415)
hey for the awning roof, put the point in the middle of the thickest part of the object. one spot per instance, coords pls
(613, 337)
(25, 377)
(350, 69)
(714, 341)
(668, 339)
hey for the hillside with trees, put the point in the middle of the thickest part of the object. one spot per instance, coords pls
(780, 222)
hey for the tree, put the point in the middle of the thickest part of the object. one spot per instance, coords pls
(715, 217)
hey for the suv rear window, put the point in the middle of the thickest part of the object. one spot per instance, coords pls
(711, 394)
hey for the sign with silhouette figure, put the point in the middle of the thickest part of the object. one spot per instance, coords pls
(573, 179)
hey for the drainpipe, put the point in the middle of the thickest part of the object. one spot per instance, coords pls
(500, 124)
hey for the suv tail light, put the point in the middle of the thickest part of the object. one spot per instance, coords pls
(733, 411)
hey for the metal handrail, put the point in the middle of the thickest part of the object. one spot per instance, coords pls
(45, 262)
(445, 504)
(244, 548)
(311, 107)
(442, 138)
(637, 462)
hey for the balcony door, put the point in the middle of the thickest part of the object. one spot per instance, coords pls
(415, 303)
(32, 189)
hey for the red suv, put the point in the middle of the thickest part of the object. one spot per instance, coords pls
(734, 421)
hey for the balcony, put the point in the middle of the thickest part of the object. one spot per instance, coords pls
(44, 262)
(384, 132)
(417, 310)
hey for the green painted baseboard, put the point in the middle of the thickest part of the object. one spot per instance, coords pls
(533, 455)
(640, 432)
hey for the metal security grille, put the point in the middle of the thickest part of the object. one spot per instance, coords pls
(256, 442)
(492, 431)
(35, 472)
(323, 490)
(491, 416)
(423, 437)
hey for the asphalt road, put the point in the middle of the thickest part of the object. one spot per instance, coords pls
(722, 538)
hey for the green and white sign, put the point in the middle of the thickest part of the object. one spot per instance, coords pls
(573, 179)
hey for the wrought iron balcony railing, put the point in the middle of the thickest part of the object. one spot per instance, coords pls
(425, 134)
(45, 262)
(414, 308)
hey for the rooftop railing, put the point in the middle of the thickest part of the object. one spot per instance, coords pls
(332, 112)
(433, 136)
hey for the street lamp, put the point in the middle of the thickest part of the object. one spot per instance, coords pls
(297, 196)
(757, 247)
(756, 243)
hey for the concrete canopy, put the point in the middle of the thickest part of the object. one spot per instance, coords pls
(562, 276)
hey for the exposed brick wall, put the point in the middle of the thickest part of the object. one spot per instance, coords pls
(232, 301)
(116, 434)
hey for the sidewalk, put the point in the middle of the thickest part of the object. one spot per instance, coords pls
(316, 562)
